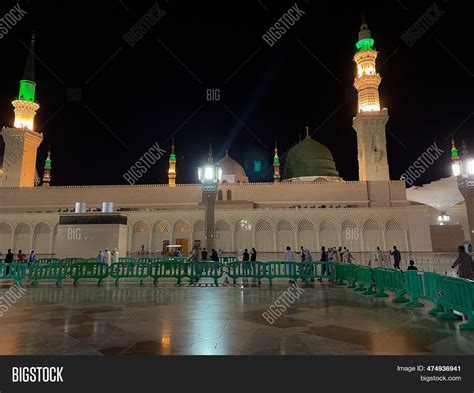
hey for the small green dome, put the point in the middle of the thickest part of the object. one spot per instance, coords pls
(309, 158)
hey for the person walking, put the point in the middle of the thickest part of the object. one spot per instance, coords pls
(378, 257)
(464, 263)
(253, 259)
(302, 255)
(323, 258)
(397, 257)
(8, 260)
(204, 254)
(31, 258)
(214, 256)
(195, 258)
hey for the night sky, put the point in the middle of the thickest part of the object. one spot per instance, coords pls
(105, 103)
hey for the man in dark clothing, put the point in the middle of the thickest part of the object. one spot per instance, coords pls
(214, 256)
(464, 261)
(204, 254)
(253, 254)
(412, 265)
(8, 260)
(246, 263)
(397, 257)
(324, 258)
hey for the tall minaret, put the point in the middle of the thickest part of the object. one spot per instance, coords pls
(47, 170)
(172, 167)
(276, 165)
(21, 140)
(370, 121)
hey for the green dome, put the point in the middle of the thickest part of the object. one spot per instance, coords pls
(309, 158)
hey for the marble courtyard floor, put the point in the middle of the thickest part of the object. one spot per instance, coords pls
(134, 320)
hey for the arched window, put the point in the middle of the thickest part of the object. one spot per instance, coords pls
(220, 195)
(229, 195)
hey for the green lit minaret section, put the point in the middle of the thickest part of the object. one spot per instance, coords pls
(276, 165)
(172, 167)
(25, 105)
(47, 170)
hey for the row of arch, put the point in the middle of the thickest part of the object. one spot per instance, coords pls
(26, 237)
(265, 234)
(269, 236)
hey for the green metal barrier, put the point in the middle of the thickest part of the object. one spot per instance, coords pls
(129, 270)
(423, 285)
(13, 271)
(44, 261)
(456, 294)
(365, 280)
(391, 280)
(254, 270)
(288, 270)
(48, 271)
(71, 261)
(316, 270)
(227, 260)
(174, 259)
(146, 260)
(197, 270)
(162, 269)
(129, 260)
(97, 271)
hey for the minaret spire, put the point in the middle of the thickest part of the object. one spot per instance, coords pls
(370, 121)
(276, 165)
(172, 167)
(307, 132)
(209, 156)
(47, 170)
(22, 140)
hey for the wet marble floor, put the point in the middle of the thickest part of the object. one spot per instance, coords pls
(205, 320)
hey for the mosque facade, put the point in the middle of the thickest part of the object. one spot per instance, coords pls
(307, 203)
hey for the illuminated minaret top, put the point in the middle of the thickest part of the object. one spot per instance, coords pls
(172, 167)
(47, 169)
(276, 165)
(25, 105)
(367, 80)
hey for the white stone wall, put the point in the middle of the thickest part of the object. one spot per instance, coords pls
(268, 230)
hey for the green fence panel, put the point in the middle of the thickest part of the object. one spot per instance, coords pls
(341, 271)
(382, 281)
(197, 270)
(391, 280)
(43, 261)
(456, 294)
(227, 260)
(288, 270)
(147, 260)
(414, 287)
(430, 283)
(316, 270)
(365, 280)
(48, 272)
(71, 261)
(13, 271)
(130, 260)
(98, 271)
(254, 270)
(129, 270)
(157, 270)
(174, 259)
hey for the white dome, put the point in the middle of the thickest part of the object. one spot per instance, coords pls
(232, 171)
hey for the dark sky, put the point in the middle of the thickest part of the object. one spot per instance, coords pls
(133, 97)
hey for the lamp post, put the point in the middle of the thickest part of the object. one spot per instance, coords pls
(209, 175)
(463, 169)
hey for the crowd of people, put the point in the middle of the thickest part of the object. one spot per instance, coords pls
(107, 256)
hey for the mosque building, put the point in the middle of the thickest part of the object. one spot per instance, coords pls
(308, 202)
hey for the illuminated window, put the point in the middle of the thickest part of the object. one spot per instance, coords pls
(257, 166)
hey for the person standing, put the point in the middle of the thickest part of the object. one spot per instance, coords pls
(253, 259)
(324, 258)
(21, 257)
(31, 258)
(466, 247)
(246, 262)
(378, 257)
(100, 256)
(397, 257)
(289, 258)
(464, 261)
(412, 265)
(108, 257)
(8, 260)
(204, 254)
(214, 256)
(302, 255)
(115, 256)
(195, 258)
